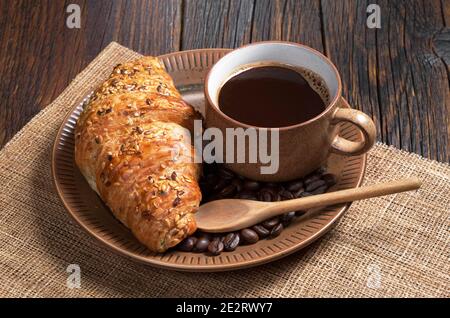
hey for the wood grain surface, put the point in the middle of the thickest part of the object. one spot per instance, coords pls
(398, 74)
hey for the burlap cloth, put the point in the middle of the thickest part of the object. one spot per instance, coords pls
(391, 246)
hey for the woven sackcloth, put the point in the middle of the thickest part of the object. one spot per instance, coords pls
(394, 246)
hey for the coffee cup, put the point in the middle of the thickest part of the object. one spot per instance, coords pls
(302, 147)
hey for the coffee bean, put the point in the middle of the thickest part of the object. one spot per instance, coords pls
(320, 190)
(222, 183)
(205, 235)
(215, 247)
(299, 192)
(226, 174)
(276, 230)
(231, 241)
(330, 179)
(265, 195)
(201, 245)
(227, 191)
(305, 194)
(261, 231)
(268, 189)
(269, 224)
(314, 185)
(321, 170)
(249, 236)
(294, 185)
(237, 184)
(287, 218)
(187, 244)
(247, 196)
(285, 194)
(310, 178)
(251, 185)
(276, 196)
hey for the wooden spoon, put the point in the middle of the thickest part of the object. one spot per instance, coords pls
(233, 214)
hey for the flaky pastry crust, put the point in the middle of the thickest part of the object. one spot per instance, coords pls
(132, 145)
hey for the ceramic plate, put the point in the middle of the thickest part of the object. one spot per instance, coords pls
(188, 69)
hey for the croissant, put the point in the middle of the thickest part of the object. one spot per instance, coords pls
(132, 144)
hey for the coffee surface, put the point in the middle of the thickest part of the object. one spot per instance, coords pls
(271, 96)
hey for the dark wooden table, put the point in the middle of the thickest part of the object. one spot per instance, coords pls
(398, 74)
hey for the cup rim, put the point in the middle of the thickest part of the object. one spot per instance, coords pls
(305, 47)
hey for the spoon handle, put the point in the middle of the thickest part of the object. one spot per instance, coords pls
(343, 196)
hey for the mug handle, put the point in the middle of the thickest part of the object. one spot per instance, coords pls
(343, 146)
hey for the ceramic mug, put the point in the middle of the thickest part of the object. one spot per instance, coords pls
(303, 147)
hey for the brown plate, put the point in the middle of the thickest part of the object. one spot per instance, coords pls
(188, 69)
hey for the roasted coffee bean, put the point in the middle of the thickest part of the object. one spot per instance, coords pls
(226, 174)
(320, 190)
(305, 194)
(261, 231)
(276, 230)
(276, 196)
(330, 179)
(311, 178)
(265, 195)
(269, 224)
(299, 192)
(205, 235)
(231, 241)
(187, 244)
(271, 190)
(314, 185)
(229, 190)
(251, 185)
(320, 171)
(237, 184)
(299, 213)
(201, 245)
(246, 196)
(222, 183)
(286, 195)
(249, 236)
(294, 186)
(215, 247)
(287, 218)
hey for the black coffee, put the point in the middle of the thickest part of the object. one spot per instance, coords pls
(272, 96)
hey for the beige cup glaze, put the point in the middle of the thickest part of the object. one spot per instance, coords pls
(304, 146)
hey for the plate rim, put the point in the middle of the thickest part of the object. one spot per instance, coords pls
(184, 267)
